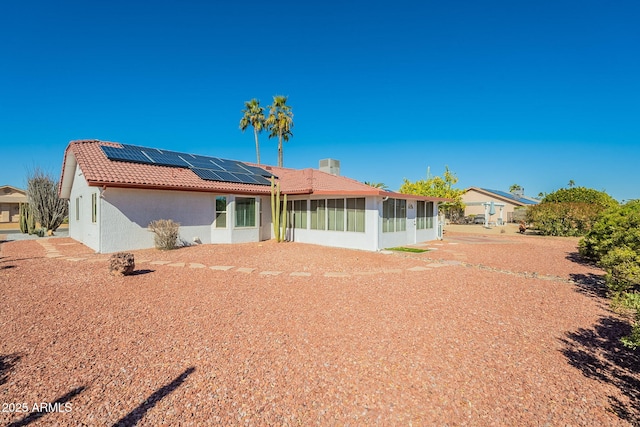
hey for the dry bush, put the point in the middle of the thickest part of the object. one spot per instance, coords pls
(166, 233)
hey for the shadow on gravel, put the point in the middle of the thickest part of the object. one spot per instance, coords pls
(590, 284)
(140, 272)
(579, 259)
(56, 406)
(6, 364)
(133, 417)
(599, 354)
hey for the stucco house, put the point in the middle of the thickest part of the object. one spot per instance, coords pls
(10, 199)
(479, 201)
(115, 190)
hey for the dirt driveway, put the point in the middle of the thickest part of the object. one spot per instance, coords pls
(483, 329)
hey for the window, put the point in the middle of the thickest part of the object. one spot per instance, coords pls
(297, 213)
(424, 217)
(94, 207)
(77, 208)
(394, 215)
(221, 212)
(335, 214)
(318, 208)
(355, 214)
(401, 215)
(245, 212)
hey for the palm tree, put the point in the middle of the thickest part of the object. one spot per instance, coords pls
(280, 122)
(572, 183)
(254, 116)
(380, 185)
(514, 188)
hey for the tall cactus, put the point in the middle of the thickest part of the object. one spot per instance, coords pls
(275, 209)
(23, 218)
(31, 220)
(284, 221)
(279, 222)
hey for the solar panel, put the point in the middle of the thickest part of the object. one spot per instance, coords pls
(167, 159)
(207, 168)
(207, 174)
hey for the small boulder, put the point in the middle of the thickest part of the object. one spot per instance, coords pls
(121, 264)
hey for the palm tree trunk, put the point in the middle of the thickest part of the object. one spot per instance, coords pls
(255, 134)
(280, 149)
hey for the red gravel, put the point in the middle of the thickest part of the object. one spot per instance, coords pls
(473, 342)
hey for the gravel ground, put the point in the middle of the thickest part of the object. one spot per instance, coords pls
(482, 330)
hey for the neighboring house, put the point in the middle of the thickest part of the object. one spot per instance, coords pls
(10, 199)
(115, 190)
(478, 201)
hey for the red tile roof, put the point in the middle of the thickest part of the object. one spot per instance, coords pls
(98, 170)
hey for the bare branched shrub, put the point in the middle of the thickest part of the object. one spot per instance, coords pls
(42, 192)
(166, 233)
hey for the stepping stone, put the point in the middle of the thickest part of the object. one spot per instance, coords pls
(140, 261)
(75, 259)
(418, 268)
(196, 265)
(159, 262)
(451, 262)
(435, 265)
(270, 273)
(336, 274)
(392, 271)
(53, 255)
(300, 274)
(245, 270)
(221, 267)
(386, 252)
(365, 273)
(176, 264)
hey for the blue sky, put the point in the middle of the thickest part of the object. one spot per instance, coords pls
(534, 93)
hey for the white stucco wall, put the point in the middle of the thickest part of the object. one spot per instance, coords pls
(373, 238)
(233, 234)
(126, 213)
(344, 239)
(123, 216)
(411, 234)
(83, 229)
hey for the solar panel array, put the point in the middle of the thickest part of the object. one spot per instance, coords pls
(207, 168)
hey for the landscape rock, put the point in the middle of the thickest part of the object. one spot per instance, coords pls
(122, 264)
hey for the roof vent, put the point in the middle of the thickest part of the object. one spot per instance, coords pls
(331, 166)
(518, 192)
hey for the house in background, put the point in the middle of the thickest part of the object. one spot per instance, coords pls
(115, 190)
(479, 201)
(10, 199)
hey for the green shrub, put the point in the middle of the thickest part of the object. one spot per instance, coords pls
(580, 195)
(563, 219)
(616, 227)
(166, 233)
(569, 211)
(631, 301)
(614, 243)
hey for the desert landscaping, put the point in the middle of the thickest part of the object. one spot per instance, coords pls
(485, 328)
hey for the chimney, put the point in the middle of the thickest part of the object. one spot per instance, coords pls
(331, 166)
